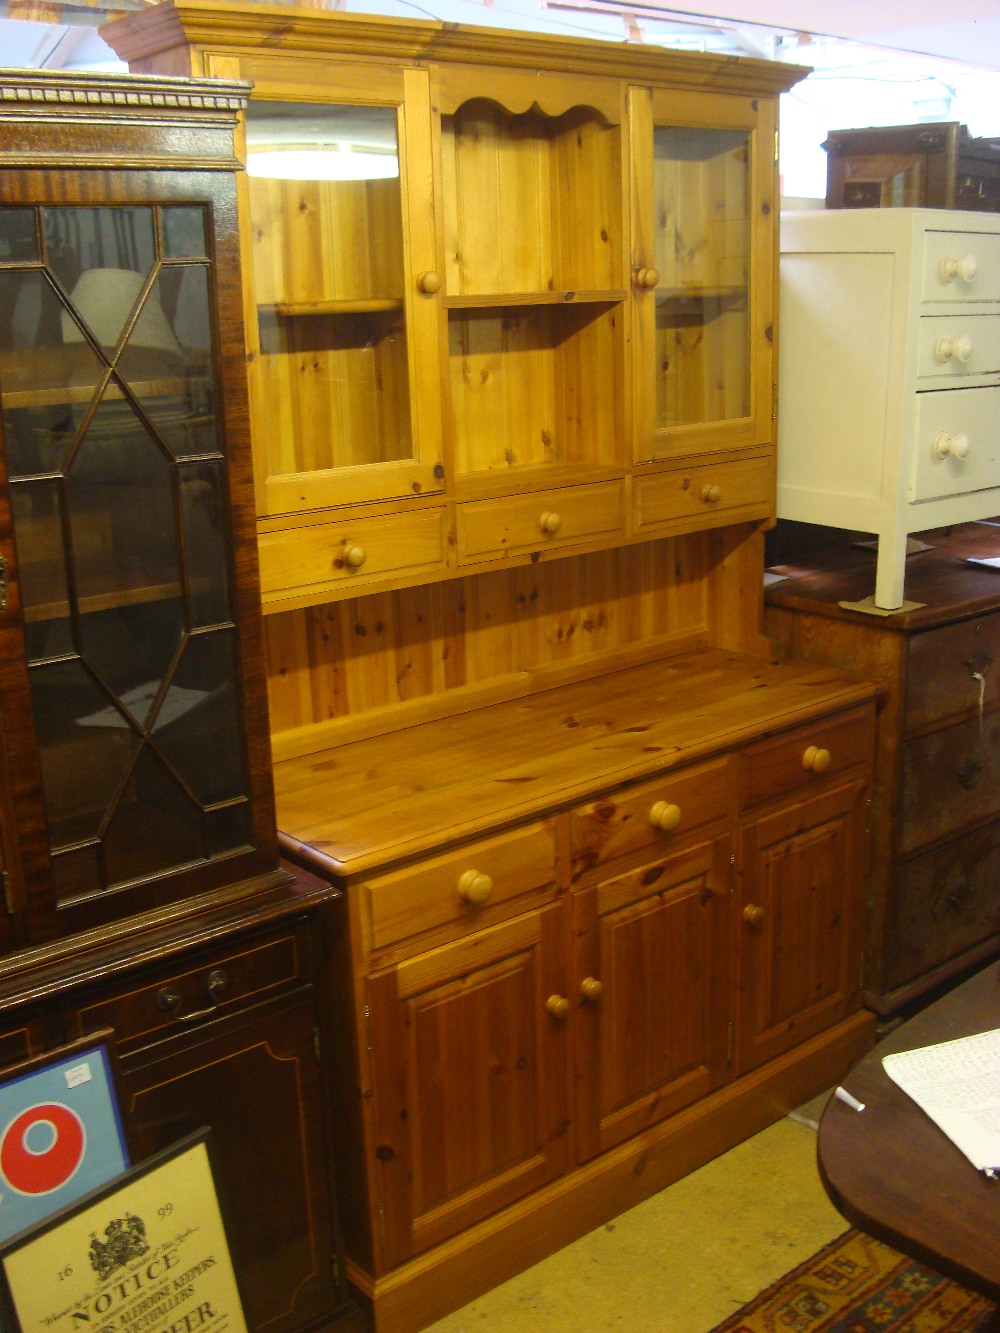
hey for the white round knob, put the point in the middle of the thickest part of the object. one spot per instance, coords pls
(550, 523)
(955, 446)
(965, 268)
(957, 349)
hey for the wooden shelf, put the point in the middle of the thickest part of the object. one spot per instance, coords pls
(375, 305)
(498, 300)
(709, 293)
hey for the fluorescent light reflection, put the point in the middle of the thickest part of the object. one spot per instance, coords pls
(328, 162)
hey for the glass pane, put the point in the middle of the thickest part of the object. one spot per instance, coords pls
(204, 507)
(108, 241)
(18, 237)
(327, 219)
(702, 259)
(107, 379)
(183, 232)
(197, 730)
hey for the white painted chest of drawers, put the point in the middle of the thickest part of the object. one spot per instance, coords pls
(889, 404)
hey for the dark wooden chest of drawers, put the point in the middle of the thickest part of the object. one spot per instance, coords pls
(934, 891)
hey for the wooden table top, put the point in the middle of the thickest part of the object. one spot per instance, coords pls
(895, 1174)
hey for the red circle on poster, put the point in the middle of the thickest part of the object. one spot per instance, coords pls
(39, 1172)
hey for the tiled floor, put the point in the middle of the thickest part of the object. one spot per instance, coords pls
(683, 1260)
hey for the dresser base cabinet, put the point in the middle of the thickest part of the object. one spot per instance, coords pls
(934, 902)
(631, 940)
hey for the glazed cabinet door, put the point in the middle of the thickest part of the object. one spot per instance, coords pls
(468, 1052)
(704, 208)
(129, 602)
(801, 919)
(653, 989)
(343, 306)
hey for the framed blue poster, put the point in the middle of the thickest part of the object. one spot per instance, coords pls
(60, 1131)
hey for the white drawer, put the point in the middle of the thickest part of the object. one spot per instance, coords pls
(953, 347)
(966, 419)
(977, 253)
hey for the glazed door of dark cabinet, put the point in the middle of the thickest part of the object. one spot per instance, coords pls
(255, 1081)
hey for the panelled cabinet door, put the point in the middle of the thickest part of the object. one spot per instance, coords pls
(654, 986)
(343, 310)
(704, 186)
(469, 1050)
(801, 921)
(254, 1080)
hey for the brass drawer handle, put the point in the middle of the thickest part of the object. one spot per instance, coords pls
(169, 1000)
(816, 759)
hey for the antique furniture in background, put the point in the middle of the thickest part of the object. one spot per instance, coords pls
(143, 890)
(890, 375)
(918, 166)
(512, 408)
(934, 906)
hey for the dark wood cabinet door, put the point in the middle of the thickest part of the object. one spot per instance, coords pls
(654, 988)
(255, 1081)
(802, 921)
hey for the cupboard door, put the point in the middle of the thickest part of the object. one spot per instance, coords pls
(704, 186)
(469, 1069)
(654, 987)
(343, 325)
(255, 1081)
(801, 921)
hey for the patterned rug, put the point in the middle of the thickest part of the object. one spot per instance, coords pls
(858, 1285)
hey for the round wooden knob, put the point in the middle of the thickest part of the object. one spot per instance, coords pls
(354, 555)
(816, 759)
(429, 283)
(550, 523)
(558, 1006)
(665, 816)
(753, 913)
(711, 493)
(591, 989)
(647, 277)
(474, 886)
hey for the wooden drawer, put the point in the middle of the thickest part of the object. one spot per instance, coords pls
(186, 994)
(940, 666)
(951, 778)
(651, 817)
(802, 758)
(730, 488)
(946, 905)
(519, 524)
(458, 885)
(298, 561)
(942, 248)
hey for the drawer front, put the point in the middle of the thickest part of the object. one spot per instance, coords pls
(951, 778)
(945, 904)
(746, 484)
(651, 817)
(186, 995)
(957, 448)
(458, 885)
(952, 669)
(298, 561)
(520, 524)
(953, 347)
(805, 757)
(946, 277)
